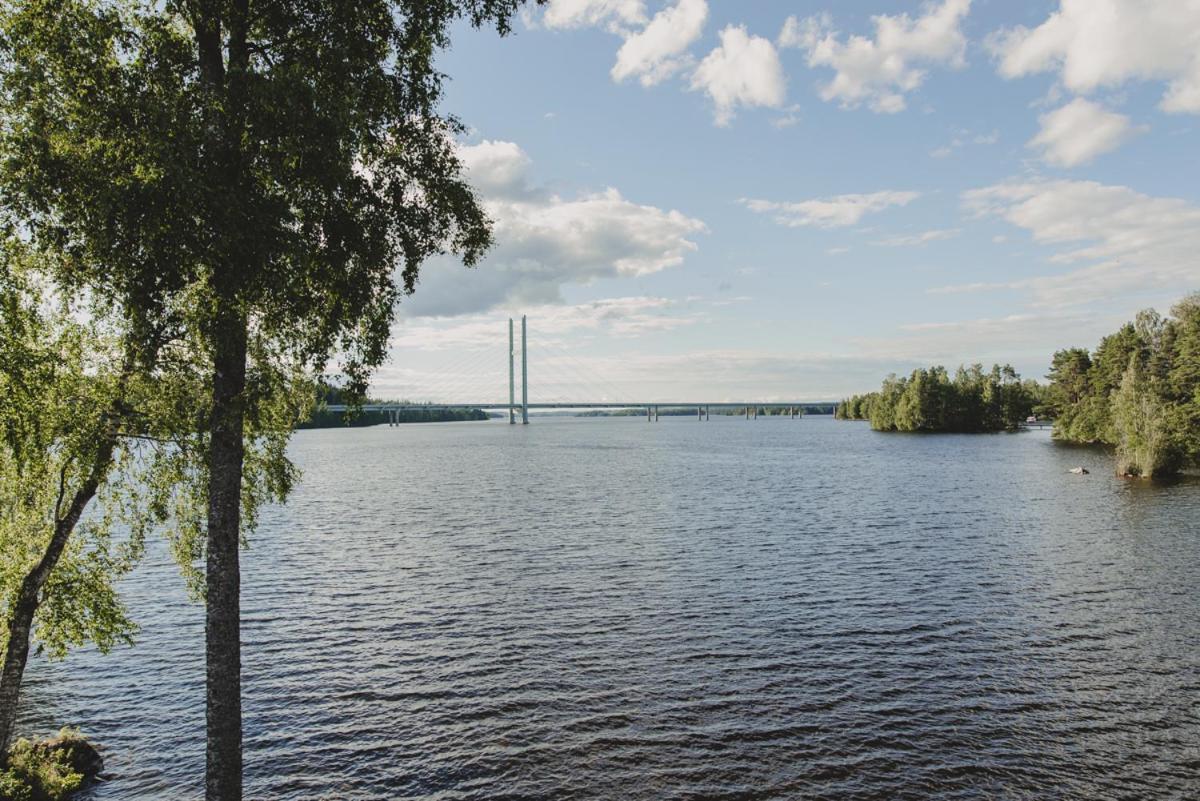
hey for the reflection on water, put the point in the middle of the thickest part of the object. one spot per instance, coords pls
(730, 609)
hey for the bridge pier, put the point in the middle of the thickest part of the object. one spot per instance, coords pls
(512, 392)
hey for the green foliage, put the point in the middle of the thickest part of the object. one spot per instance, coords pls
(61, 378)
(285, 182)
(1138, 392)
(68, 388)
(929, 400)
(290, 175)
(36, 772)
(251, 188)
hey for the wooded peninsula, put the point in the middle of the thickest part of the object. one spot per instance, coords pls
(1137, 392)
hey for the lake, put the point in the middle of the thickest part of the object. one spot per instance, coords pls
(731, 609)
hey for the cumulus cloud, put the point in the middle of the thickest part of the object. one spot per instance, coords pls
(1092, 44)
(659, 50)
(830, 212)
(544, 241)
(615, 15)
(496, 168)
(1127, 242)
(743, 71)
(1080, 131)
(879, 71)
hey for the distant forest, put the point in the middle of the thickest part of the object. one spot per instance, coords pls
(690, 411)
(332, 396)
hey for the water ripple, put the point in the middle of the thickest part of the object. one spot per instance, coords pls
(605, 609)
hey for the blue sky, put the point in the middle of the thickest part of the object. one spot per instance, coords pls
(788, 200)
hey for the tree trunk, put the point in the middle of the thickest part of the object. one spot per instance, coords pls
(226, 83)
(223, 777)
(20, 622)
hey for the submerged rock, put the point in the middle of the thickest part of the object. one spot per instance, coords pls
(1079, 471)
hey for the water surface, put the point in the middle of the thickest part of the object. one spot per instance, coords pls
(606, 608)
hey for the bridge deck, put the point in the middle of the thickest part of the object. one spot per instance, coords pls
(389, 407)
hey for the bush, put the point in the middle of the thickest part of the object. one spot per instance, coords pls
(48, 770)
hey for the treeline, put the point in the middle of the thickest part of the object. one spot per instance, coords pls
(324, 418)
(328, 395)
(728, 411)
(1138, 391)
(972, 401)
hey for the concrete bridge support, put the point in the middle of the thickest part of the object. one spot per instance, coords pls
(512, 395)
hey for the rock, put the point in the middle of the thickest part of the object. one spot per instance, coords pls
(1079, 471)
(81, 755)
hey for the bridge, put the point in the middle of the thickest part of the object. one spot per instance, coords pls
(750, 408)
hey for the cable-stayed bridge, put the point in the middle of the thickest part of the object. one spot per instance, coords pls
(520, 408)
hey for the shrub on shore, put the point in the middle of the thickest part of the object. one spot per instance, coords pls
(48, 770)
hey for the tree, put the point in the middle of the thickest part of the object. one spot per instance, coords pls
(928, 400)
(63, 390)
(1068, 378)
(1145, 446)
(86, 418)
(1139, 392)
(266, 177)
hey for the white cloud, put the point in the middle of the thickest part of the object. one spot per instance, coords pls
(960, 141)
(615, 15)
(496, 168)
(1102, 43)
(913, 240)
(1079, 131)
(1128, 243)
(880, 71)
(830, 212)
(791, 116)
(659, 50)
(544, 241)
(743, 71)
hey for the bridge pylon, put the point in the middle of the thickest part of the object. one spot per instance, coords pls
(512, 399)
(524, 375)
